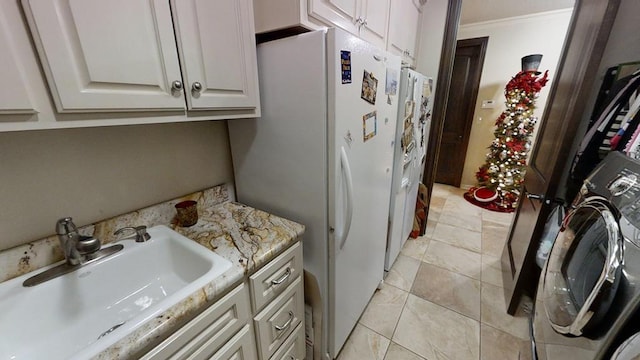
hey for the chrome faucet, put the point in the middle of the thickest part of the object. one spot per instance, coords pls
(77, 248)
(78, 251)
(139, 233)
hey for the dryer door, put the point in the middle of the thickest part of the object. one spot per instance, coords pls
(583, 268)
(629, 349)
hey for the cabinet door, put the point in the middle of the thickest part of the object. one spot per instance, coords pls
(403, 29)
(294, 348)
(207, 332)
(14, 97)
(375, 14)
(116, 55)
(342, 13)
(240, 347)
(217, 44)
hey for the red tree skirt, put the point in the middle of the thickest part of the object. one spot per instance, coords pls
(495, 205)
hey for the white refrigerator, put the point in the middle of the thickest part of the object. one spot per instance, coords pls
(322, 155)
(412, 135)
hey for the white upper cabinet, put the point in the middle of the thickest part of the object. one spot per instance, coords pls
(215, 78)
(24, 100)
(404, 22)
(388, 24)
(116, 55)
(342, 13)
(374, 21)
(14, 96)
(147, 55)
(367, 19)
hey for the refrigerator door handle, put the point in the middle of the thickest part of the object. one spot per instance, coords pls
(346, 170)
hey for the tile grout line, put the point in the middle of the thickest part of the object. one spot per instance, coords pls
(395, 326)
(408, 350)
(404, 306)
(480, 281)
(421, 259)
(481, 287)
(438, 266)
(481, 322)
(372, 330)
(453, 310)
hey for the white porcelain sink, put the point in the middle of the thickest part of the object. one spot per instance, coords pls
(65, 317)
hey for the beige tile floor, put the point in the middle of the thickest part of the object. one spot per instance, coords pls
(443, 298)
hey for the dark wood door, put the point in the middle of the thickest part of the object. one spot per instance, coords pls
(584, 45)
(465, 80)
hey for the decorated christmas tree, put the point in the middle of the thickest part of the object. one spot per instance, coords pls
(503, 172)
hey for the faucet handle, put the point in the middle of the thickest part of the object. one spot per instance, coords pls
(140, 232)
(65, 226)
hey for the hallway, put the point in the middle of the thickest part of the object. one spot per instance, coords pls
(443, 298)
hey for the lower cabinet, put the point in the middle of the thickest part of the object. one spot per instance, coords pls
(277, 321)
(210, 331)
(294, 347)
(240, 347)
(266, 323)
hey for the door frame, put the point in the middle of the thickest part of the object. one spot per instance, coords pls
(482, 43)
(573, 84)
(454, 10)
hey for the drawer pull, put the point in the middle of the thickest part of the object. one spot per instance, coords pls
(287, 324)
(284, 277)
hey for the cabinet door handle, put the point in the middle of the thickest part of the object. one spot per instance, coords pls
(360, 22)
(284, 277)
(538, 197)
(287, 324)
(196, 87)
(176, 87)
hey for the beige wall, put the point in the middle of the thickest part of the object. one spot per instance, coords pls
(434, 17)
(509, 40)
(96, 173)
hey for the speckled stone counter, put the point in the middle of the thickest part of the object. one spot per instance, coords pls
(249, 238)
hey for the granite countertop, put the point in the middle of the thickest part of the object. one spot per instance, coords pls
(247, 237)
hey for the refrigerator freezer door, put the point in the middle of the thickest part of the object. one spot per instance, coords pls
(415, 102)
(410, 202)
(362, 122)
(401, 167)
(417, 166)
(425, 109)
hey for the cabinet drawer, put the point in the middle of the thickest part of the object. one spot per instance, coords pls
(241, 347)
(274, 324)
(274, 277)
(293, 348)
(205, 334)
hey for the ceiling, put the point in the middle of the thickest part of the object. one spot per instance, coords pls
(484, 10)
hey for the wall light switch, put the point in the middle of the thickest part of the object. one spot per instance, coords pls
(488, 104)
